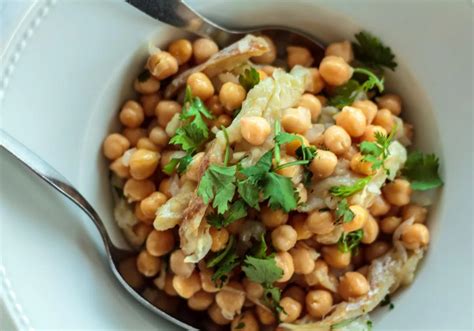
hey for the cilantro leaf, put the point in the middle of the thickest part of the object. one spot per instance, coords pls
(372, 80)
(263, 271)
(387, 301)
(349, 242)
(307, 153)
(259, 170)
(218, 184)
(272, 296)
(249, 192)
(178, 164)
(285, 137)
(249, 78)
(260, 251)
(344, 191)
(224, 262)
(376, 152)
(343, 213)
(236, 212)
(422, 171)
(371, 51)
(303, 152)
(280, 192)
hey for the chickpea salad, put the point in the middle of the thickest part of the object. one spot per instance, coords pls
(270, 193)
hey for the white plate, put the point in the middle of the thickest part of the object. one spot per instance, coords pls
(69, 67)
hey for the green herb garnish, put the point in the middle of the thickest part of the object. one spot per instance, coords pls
(249, 78)
(387, 301)
(376, 152)
(344, 191)
(218, 184)
(422, 171)
(372, 52)
(349, 242)
(343, 213)
(224, 262)
(178, 164)
(237, 211)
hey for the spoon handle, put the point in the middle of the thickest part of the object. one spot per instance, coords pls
(51, 176)
(178, 14)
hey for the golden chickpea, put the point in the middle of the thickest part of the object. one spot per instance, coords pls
(248, 321)
(115, 145)
(303, 260)
(341, 49)
(165, 110)
(200, 85)
(214, 105)
(318, 303)
(220, 237)
(384, 118)
(397, 192)
(379, 207)
(296, 120)
(273, 218)
(371, 230)
(147, 144)
(265, 315)
(231, 301)
(215, 313)
(285, 262)
(360, 218)
(160, 243)
(298, 222)
(254, 129)
(149, 102)
(335, 70)
(140, 216)
(186, 287)
(268, 57)
(178, 266)
(298, 56)
(193, 171)
(320, 222)
(136, 190)
(132, 114)
(316, 82)
(291, 171)
(169, 289)
(352, 120)
(182, 50)
(223, 120)
(291, 309)
(143, 163)
(146, 83)
(158, 136)
(375, 250)
(337, 140)
(140, 232)
(148, 265)
(284, 237)
(389, 224)
(261, 74)
(162, 65)
(150, 204)
(368, 108)
(128, 269)
(252, 289)
(293, 146)
(203, 49)
(200, 301)
(391, 102)
(295, 292)
(360, 166)
(320, 268)
(268, 70)
(336, 258)
(232, 95)
(206, 282)
(415, 236)
(353, 285)
(416, 211)
(134, 135)
(119, 168)
(324, 164)
(312, 103)
(165, 187)
(370, 130)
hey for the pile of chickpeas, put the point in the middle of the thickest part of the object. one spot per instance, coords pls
(294, 236)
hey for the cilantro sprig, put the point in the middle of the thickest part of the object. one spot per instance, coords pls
(218, 185)
(224, 262)
(422, 171)
(349, 242)
(372, 52)
(376, 152)
(345, 191)
(178, 164)
(237, 211)
(343, 213)
(249, 78)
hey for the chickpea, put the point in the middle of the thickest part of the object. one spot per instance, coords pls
(391, 102)
(147, 144)
(265, 315)
(186, 287)
(134, 135)
(318, 303)
(285, 262)
(371, 230)
(150, 204)
(416, 211)
(293, 146)
(336, 258)
(320, 268)
(182, 50)
(324, 164)
(312, 103)
(415, 236)
(360, 166)
(160, 243)
(295, 292)
(360, 218)
(291, 171)
(178, 266)
(375, 250)
(368, 107)
(220, 237)
(303, 261)
(215, 313)
(132, 114)
(252, 289)
(139, 233)
(352, 120)
(143, 163)
(115, 145)
(341, 49)
(370, 130)
(232, 95)
(214, 105)
(248, 321)
(206, 282)
(149, 102)
(231, 301)
(165, 187)
(379, 207)
(298, 222)
(193, 171)
(254, 129)
(320, 222)
(268, 57)
(273, 218)
(291, 310)
(169, 289)
(316, 82)
(148, 265)
(384, 118)
(200, 85)
(136, 190)
(146, 83)
(353, 285)
(158, 136)
(268, 70)
(337, 140)
(335, 70)
(165, 111)
(298, 56)
(128, 269)
(323, 100)
(296, 120)
(162, 65)
(222, 120)
(284, 237)
(203, 49)
(200, 301)
(397, 192)
(389, 224)
(140, 216)
(119, 168)
(261, 74)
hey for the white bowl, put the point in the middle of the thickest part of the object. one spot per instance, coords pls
(71, 64)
